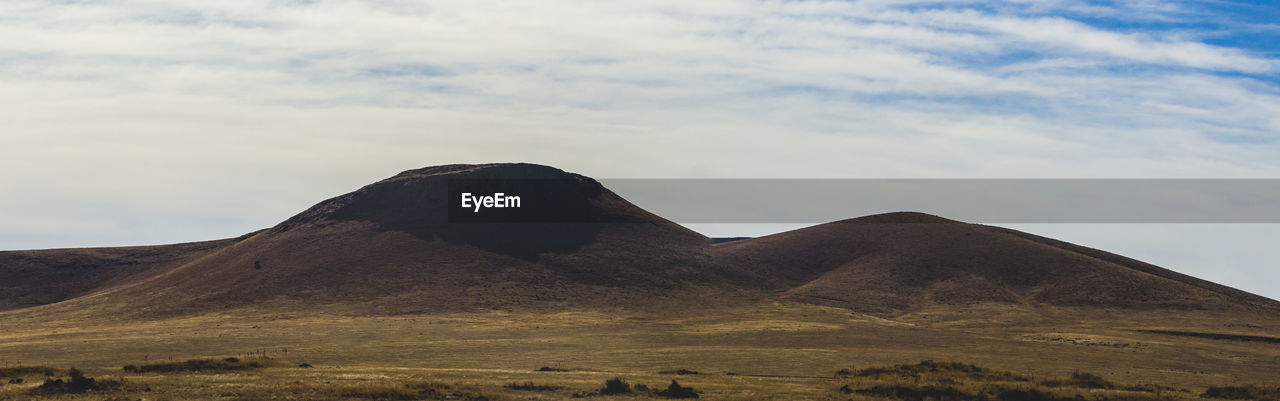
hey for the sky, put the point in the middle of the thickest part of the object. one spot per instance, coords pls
(143, 122)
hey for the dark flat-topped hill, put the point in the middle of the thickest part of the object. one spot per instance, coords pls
(391, 247)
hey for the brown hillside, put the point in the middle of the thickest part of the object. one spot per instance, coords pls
(39, 277)
(393, 247)
(898, 262)
(390, 248)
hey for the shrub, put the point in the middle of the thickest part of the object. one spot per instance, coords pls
(908, 392)
(391, 390)
(198, 365)
(26, 370)
(551, 369)
(616, 386)
(76, 383)
(381, 391)
(1242, 393)
(951, 381)
(530, 386)
(675, 390)
(935, 369)
(1029, 395)
(1081, 380)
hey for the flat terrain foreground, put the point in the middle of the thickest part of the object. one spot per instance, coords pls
(769, 350)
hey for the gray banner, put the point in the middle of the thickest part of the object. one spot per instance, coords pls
(970, 200)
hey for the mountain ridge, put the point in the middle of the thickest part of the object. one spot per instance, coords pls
(392, 247)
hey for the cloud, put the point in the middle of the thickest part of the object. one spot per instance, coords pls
(803, 68)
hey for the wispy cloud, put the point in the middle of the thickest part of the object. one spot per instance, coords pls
(247, 111)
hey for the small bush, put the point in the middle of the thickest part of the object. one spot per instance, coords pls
(1081, 380)
(551, 369)
(380, 391)
(17, 371)
(908, 392)
(1029, 395)
(616, 386)
(390, 390)
(76, 383)
(678, 372)
(675, 390)
(951, 381)
(198, 365)
(1242, 393)
(927, 368)
(530, 386)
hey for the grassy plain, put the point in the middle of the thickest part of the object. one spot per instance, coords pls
(765, 351)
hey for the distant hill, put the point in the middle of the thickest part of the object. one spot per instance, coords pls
(394, 247)
(32, 278)
(897, 262)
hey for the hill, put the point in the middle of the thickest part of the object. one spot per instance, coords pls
(38, 277)
(898, 262)
(393, 247)
(407, 244)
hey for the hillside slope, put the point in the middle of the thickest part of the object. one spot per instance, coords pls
(404, 245)
(390, 247)
(899, 262)
(39, 277)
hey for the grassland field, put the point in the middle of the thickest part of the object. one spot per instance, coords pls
(766, 351)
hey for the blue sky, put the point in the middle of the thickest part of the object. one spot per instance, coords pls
(145, 121)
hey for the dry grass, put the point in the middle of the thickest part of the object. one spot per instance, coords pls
(483, 354)
(24, 371)
(531, 386)
(1243, 393)
(204, 365)
(966, 382)
(393, 391)
(919, 381)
